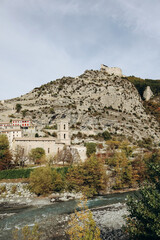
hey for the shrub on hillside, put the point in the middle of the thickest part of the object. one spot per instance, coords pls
(91, 148)
(106, 135)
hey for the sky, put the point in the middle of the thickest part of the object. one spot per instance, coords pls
(42, 40)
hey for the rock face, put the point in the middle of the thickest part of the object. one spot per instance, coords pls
(147, 93)
(94, 102)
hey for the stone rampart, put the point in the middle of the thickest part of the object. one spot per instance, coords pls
(111, 70)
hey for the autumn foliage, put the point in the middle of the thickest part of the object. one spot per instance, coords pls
(88, 177)
(82, 224)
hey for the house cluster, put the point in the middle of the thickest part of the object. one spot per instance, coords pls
(21, 133)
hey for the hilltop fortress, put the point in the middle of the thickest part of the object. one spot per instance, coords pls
(111, 70)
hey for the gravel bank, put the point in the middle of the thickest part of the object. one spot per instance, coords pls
(110, 221)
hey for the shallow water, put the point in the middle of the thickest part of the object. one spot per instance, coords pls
(27, 216)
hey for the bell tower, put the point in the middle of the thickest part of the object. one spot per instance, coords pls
(63, 131)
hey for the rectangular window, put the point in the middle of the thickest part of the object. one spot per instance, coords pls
(48, 150)
(64, 136)
(64, 126)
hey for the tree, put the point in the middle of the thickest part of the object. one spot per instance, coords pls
(19, 156)
(95, 178)
(91, 148)
(36, 135)
(126, 148)
(65, 156)
(44, 180)
(41, 180)
(112, 145)
(36, 155)
(122, 170)
(82, 224)
(24, 112)
(58, 183)
(5, 154)
(88, 177)
(143, 221)
(18, 107)
(106, 135)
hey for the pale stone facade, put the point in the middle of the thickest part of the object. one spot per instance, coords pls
(81, 151)
(11, 134)
(48, 144)
(63, 132)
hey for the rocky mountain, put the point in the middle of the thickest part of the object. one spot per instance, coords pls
(94, 102)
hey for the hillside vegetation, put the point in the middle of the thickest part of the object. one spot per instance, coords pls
(141, 84)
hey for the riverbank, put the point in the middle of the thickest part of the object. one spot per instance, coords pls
(18, 193)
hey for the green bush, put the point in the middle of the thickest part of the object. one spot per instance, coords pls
(3, 189)
(91, 148)
(14, 189)
(15, 173)
(106, 135)
(63, 171)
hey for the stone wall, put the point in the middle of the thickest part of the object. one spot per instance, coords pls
(111, 70)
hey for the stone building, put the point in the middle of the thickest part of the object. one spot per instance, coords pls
(11, 134)
(63, 132)
(51, 145)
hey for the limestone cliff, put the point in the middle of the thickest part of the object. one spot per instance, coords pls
(95, 101)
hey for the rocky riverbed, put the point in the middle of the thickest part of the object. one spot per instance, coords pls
(18, 193)
(53, 212)
(109, 219)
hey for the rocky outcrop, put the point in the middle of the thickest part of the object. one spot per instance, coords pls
(148, 93)
(94, 102)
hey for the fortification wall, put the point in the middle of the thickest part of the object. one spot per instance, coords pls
(111, 70)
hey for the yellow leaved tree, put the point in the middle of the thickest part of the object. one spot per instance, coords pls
(82, 225)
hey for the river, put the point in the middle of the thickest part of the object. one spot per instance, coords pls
(18, 216)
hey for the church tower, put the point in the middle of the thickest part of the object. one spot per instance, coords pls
(63, 131)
